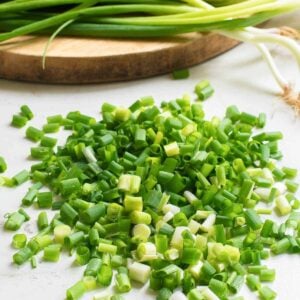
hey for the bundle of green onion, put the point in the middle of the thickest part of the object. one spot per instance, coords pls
(154, 18)
(160, 195)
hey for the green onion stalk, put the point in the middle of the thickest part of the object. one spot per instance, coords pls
(157, 18)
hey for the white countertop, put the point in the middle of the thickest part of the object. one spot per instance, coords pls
(239, 77)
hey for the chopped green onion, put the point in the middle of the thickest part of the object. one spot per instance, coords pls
(60, 232)
(139, 272)
(82, 255)
(42, 221)
(19, 241)
(44, 199)
(160, 195)
(76, 291)
(204, 90)
(22, 256)
(47, 141)
(52, 253)
(21, 177)
(123, 284)
(181, 74)
(51, 127)
(34, 134)
(3, 165)
(19, 121)
(26, 112)
(265, 293)
(33, 262)
(14, 221)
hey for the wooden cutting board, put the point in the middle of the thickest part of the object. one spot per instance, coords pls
(86, 60)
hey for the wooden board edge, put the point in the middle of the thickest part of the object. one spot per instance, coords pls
(70, 70)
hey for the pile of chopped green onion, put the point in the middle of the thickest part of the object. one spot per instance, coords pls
(160, 195)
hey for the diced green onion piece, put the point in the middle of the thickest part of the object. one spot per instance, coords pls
(82, 255)
(253, 282)
(26, 112)
(44, 199)
(282, 205)
(19, 240)
(267, 275)
(204, 90)
(47, 141)
(14, 221)
(55, 119)
(252, 219)
(42, 221)
(139, 272)
(265, 293)
(76, 291)
(51, 127)
(181, 74)
(172, 149)
(34, 134)
(60, 232)
(21, 177)
(52, 253)
(3, 165)
(19, 121)
(22, 256)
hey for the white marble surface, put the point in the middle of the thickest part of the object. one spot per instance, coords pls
(239, 77)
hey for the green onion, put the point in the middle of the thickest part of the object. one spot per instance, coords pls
(172, 149)
(47, 141)
(267, 275)
(139, 272)
(51, 127)
(181, 74)
(69, 186)
(58, 119)
(123, 284)
(15, 221)
(253, 282)
(34, 134)
(82, 255)
(26, 112)
(105, 275)
(3, 165)
(92, 214)
(74, 239)
(289, 172)
(76, 291)
(21, 177)
(93, 267)
(22, 256)
(160, 195)
(19, 121)
(252, 219)
(33, 262)
(90, 282)
(52, 253)
(204, 90)
(265, 293)
(164, 294)
(19, 241)
(42, 221)
(44, 199)
(61, 232)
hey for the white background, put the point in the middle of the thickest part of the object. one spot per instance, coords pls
(239, 77)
